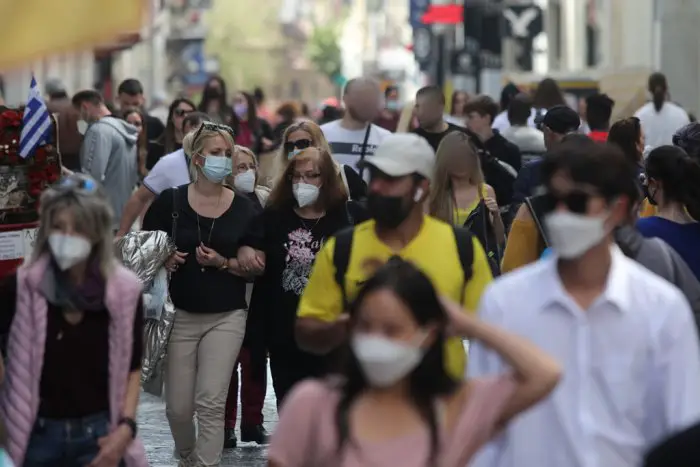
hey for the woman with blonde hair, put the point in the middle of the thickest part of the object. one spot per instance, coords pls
(74, 316)
(307, 207)
(459, 195)
(307, 134)
(206, 221)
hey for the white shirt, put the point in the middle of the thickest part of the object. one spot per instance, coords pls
(346, 145)
(659, 127)
(171, 170)
(631, 367)
(501, 121)
(528, 140)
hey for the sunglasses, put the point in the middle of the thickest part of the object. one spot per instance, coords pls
(290, 146)
(182, 112)
(211, 126)
(576, 201)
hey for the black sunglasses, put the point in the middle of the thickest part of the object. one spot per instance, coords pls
(182, 112)
(211, 126)
(576, 201)
(290, 146)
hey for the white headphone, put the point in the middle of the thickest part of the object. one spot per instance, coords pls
(418, 195)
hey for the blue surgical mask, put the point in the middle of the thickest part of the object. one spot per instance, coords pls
(241, 110)
(216, 168)
(392, 105)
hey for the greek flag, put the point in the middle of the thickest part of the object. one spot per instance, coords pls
(36, 123)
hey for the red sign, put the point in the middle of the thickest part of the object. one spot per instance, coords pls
(444, 14)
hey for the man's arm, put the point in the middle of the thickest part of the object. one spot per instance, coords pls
(320, 325)
(97, 148)
(138, 201)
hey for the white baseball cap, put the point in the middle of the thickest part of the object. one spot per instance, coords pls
(403, 154)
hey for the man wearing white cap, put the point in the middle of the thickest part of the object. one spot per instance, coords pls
(400, 171)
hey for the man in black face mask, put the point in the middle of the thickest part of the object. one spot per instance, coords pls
(400, 173)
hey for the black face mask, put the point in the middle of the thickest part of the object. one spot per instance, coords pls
(388, 211)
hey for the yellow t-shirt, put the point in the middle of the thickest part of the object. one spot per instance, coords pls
(647, 209)
(460, 216)
(433, 250)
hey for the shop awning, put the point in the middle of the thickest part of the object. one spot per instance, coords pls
(122, 42)
(33, 29)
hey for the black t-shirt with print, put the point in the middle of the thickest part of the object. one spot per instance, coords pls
(210, 290)
(290, 244)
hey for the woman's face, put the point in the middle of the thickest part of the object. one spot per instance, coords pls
(383, 314)
(460, 161)
(135, 119)
(179, 114)
(215, 146)
(459, 103)
(63, 222)
(306, 171)
(244, 163)
(298, 139)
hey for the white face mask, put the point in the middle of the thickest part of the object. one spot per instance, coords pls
(385, 361)
(69, 250)
(571, 235)
(305, 194)
(82, 126)
(245, 182)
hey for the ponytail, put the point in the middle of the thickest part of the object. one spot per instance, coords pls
(658, 97)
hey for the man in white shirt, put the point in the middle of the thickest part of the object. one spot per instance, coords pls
(660, 118)
(354, 137)
(625, 337)
(170, 170)
(529, 140)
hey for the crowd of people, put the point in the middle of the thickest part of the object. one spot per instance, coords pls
(359, 252)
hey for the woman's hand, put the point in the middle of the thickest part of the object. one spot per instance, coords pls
(492, 206)
(175, 260)
(112, 447)
(250, 260)
(208, 257)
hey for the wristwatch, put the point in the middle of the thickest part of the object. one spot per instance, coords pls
(131, 423)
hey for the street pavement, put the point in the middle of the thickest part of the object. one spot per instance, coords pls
(154, 431)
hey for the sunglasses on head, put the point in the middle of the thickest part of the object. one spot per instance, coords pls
(182, 112)
(576, 201)
(290, 146)
(211, 126)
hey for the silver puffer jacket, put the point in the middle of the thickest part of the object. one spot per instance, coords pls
(145, 254)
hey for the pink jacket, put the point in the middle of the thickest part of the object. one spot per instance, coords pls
(19, 399)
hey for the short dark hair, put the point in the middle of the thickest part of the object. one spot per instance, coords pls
(483, 105)
(520, 109)
(131, 86)
(601, 165)
(390, 89)
(259, 95)
(88, 95)
(194, 119)
(599, 109)
(434, 92)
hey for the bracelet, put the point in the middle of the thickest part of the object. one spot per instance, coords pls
(224, 265)
(131, 423)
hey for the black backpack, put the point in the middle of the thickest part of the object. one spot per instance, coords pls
(343, 249)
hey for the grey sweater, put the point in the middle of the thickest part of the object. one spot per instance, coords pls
(109, 155)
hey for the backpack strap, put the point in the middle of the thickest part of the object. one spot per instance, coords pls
(175, 214)
(534, 205)
(465, 251)
(363, 151)
(341, 259)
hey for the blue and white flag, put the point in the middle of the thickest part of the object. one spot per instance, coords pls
(36, 123)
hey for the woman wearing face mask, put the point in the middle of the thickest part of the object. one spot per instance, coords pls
(75, 322)
(460, 197)
(253, 132)
(206, 221)
(673, 186)
(171, 140)
(395, 403)
(214, 103)
(252, 358)
(306, 134)
(306, 207)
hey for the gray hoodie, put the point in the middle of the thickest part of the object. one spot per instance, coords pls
(109, 155)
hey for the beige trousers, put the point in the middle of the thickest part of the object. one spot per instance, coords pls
(202, 352)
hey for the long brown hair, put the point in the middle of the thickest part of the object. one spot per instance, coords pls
(332, 193)
(142, 139)
(441, 203)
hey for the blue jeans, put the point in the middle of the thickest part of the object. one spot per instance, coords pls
(66, 443)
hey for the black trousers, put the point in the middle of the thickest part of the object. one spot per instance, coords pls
(289, 365)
